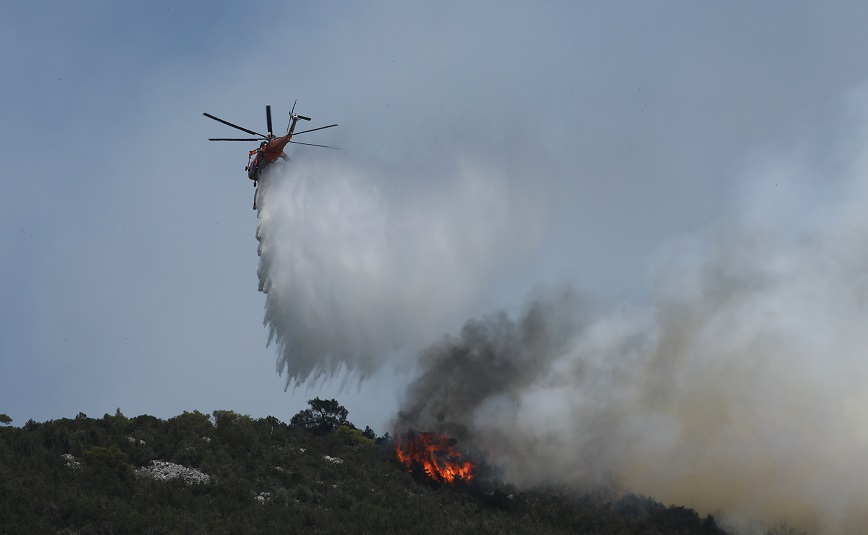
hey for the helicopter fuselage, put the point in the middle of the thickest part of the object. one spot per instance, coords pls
(268, 153)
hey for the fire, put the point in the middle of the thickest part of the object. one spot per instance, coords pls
(436, 455)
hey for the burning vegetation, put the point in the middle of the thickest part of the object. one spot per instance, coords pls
(436, 455)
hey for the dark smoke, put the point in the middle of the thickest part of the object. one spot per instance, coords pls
(491, 361)
(514, 388)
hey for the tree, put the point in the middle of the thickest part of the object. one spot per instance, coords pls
(352, 436)
(5, 419)
(109, 460)
(323, 416)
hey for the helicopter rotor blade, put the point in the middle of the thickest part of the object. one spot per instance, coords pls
(268, 118)
(314, 129)
(234, 139)
(293, 107)
(314, 145)
(219, 120)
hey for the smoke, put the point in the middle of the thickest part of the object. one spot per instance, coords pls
(741, 387)
(360, 259)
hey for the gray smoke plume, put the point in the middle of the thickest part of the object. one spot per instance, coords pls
(358, 259)
(740, 386)
(743, 387)
(491, 362)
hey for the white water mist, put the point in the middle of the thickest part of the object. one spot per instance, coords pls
(358, 260)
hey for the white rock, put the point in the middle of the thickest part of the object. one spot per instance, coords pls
(164, 471)
(71, 461)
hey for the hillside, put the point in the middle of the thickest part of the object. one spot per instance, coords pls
(229, 473)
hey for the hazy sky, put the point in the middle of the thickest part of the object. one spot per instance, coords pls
(127, 243)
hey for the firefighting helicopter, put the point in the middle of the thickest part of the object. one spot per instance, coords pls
(270, 147)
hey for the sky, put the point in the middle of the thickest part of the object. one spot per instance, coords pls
(128, 252)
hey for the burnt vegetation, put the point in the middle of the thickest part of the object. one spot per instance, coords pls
(319, 474)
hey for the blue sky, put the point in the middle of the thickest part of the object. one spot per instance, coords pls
(127, 248)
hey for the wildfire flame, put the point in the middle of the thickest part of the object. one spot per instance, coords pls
(436, 455)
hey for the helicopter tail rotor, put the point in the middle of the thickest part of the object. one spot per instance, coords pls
(268, 118)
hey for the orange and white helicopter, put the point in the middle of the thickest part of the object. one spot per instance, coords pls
(270, 147)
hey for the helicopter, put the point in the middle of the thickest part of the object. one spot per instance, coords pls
(270, 147)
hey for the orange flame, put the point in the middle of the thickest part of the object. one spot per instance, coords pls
(436, 455)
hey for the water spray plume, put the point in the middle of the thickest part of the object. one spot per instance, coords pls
(357, 260)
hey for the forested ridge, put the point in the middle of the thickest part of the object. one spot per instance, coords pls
(317, 474)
